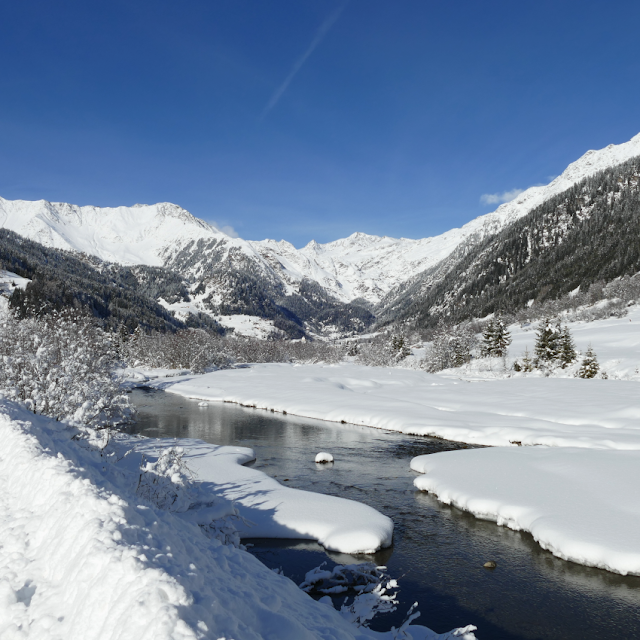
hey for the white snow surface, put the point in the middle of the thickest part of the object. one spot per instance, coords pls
(358, 266)
(599, 414)
(271, 510)
(582, 505)
(82, 558)
(10, 281)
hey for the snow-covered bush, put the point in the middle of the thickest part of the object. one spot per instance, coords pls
(170, 485)
(198, 350)
(62, 365)
(194, 349)
(243, 349)
(165, 482)
(451, 346)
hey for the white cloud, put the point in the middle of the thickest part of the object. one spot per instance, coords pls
(225, 228)
(499, 198)
(319, 37)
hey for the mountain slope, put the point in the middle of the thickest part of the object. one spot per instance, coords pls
(115, 295)
(401, 300)
(321, 287)
(587, 234)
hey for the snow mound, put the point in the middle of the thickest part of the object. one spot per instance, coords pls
(581, 505)
(270, 510)
(324, 457)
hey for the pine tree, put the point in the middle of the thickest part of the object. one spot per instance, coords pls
(589, 367)
(567, 348)
(547, 348)
(400, 347)
(495, 339)
(527, 362)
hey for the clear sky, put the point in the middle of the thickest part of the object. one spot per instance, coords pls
(310, 119)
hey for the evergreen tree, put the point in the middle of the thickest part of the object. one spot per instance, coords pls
(567, 348)
(495, 339)
(400, 347)
(589, 367)
(547, 348)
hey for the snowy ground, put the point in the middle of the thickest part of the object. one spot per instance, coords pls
(249, 326)
(84, 557)
(10, 281)
(582, 505)
(616, 342)
(544, 411)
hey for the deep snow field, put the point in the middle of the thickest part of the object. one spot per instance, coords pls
(616, 342)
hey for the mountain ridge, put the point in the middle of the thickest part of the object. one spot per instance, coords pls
(230, 275)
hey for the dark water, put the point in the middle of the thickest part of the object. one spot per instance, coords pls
(438, 551)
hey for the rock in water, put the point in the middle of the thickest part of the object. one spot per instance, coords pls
(323, 457)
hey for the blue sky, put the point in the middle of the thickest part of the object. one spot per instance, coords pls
(310, 119)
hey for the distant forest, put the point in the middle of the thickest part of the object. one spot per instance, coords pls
(115, 295)
(590, 234)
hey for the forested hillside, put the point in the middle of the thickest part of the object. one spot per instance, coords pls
(122, 295)
(587, 234)
(114, 294)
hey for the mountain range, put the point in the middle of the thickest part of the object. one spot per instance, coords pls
(342, 286)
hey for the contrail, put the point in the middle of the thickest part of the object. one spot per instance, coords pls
(320, 34)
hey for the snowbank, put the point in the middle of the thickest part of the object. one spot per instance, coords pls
(602, 414)
(272, 510)
(81, 557)
(582, 505)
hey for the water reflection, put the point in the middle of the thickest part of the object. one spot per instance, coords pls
(438, 551)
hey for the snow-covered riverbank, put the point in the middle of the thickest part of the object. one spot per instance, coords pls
(546, 411)
(582, 505)
(268, 509)
(83, 557)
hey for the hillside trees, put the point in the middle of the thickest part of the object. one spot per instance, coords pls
(581, 237)
(62, 365)
(451, 346)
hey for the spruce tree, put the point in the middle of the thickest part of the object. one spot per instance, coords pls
(495, 339)
(567, 348)
(589, 367)
(547, 348)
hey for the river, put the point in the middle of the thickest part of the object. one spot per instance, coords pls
(438, 551)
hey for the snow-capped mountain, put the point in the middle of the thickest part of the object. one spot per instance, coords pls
(141, 234)
(215, 265)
